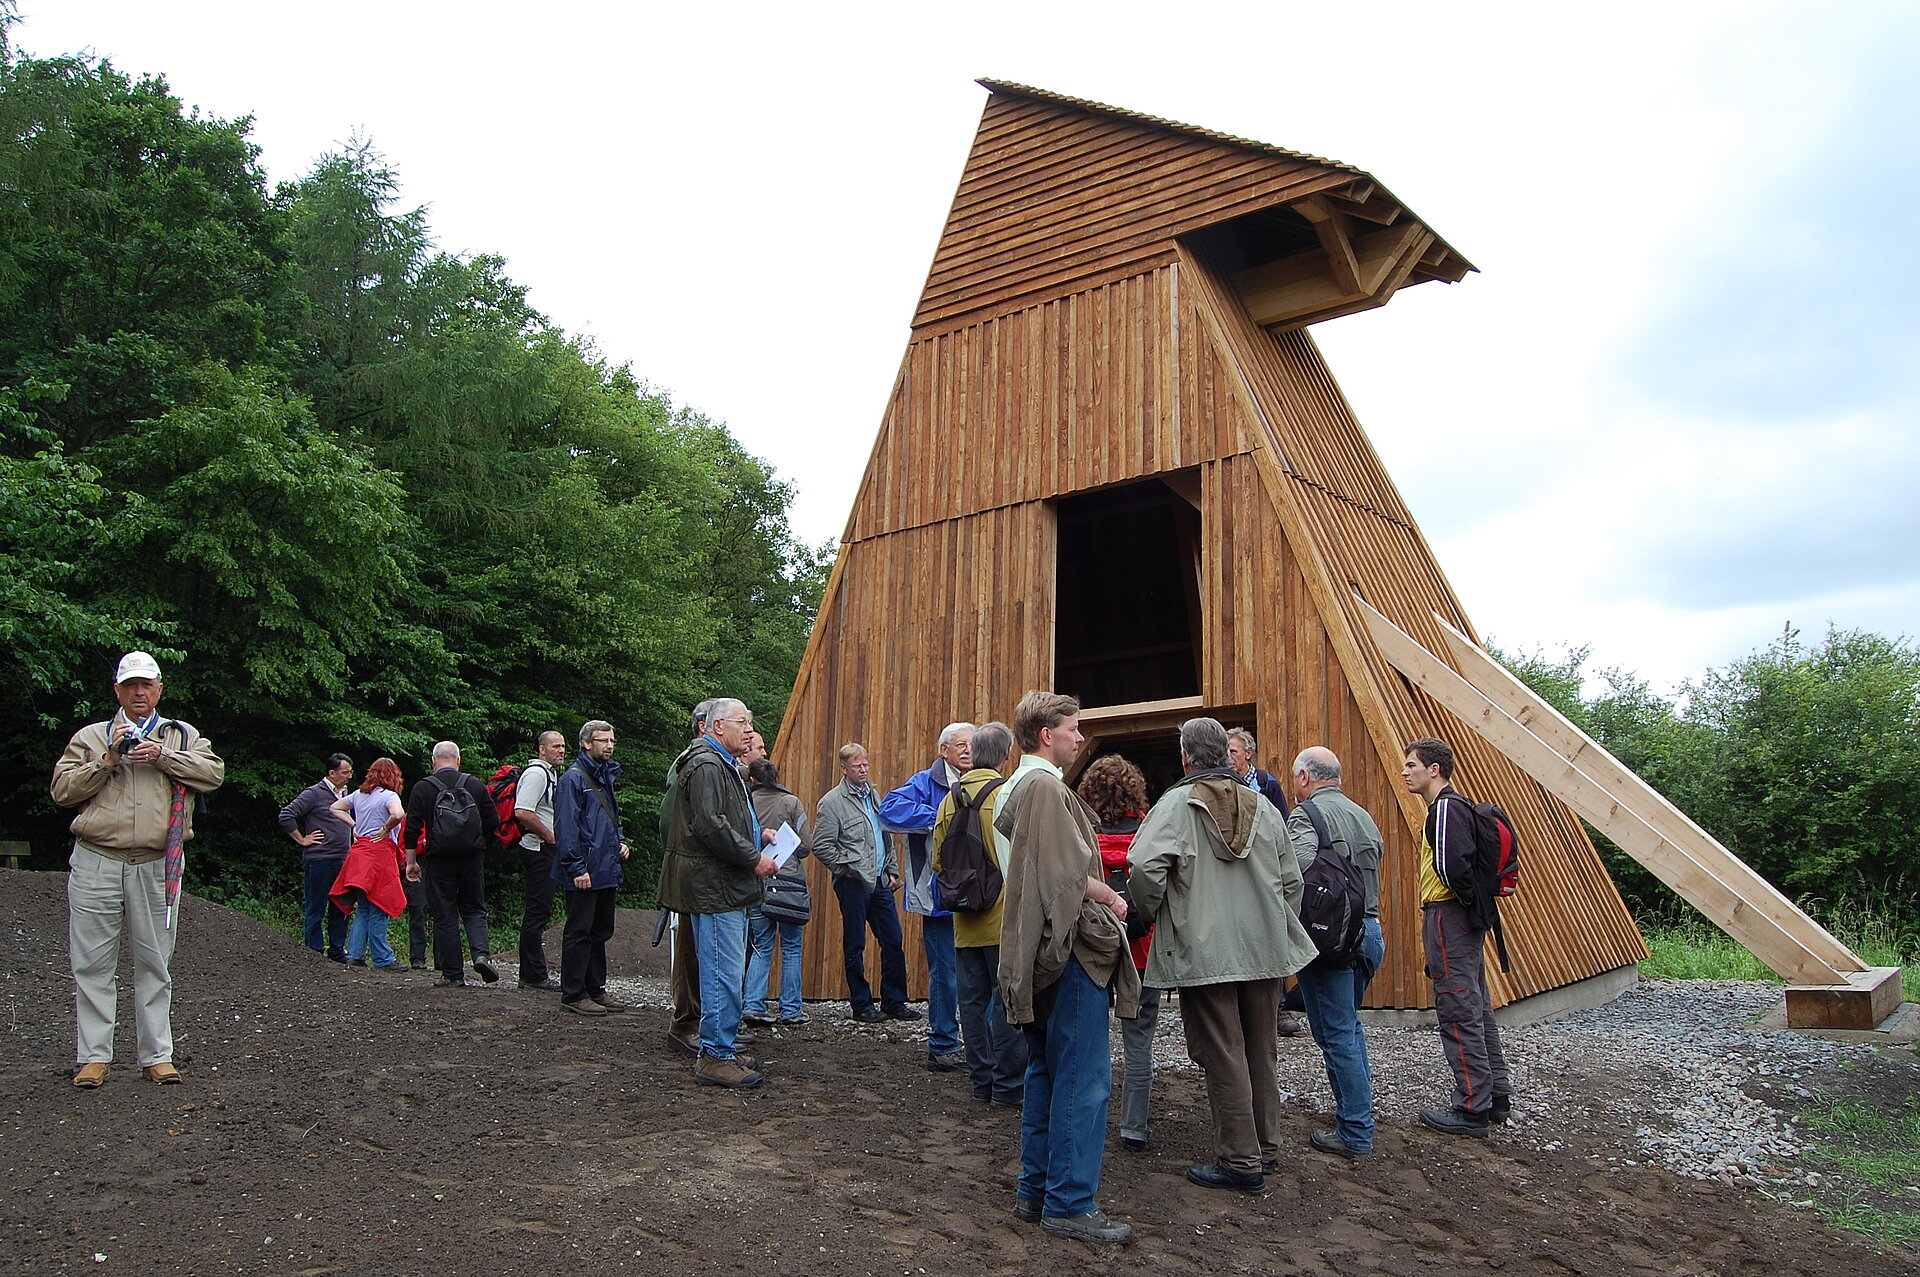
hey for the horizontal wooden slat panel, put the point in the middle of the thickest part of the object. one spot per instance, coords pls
(1069, 194)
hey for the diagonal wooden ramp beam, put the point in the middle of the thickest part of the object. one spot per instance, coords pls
(1722, 902)
(1550, 725)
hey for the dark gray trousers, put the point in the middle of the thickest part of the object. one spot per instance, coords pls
(1456, 963)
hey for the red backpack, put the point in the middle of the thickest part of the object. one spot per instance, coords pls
(504, 787)
(1496, 870)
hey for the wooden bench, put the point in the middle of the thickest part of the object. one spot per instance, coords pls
(14, 852)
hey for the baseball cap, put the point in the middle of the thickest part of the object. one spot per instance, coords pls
(137, 665)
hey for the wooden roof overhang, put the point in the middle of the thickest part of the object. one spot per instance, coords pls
(1309, 238)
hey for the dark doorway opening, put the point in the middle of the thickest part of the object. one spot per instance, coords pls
(1128, 604)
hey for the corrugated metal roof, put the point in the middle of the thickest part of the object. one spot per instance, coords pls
(1028, 91)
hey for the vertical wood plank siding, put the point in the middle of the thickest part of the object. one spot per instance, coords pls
(1142, 360)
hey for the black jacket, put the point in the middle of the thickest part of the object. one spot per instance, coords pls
(420, 802)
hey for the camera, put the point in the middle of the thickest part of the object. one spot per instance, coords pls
(125, 744)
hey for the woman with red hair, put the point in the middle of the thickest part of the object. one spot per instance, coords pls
(369, 883)
(1117, 792)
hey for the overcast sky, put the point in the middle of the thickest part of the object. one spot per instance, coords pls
(1678, 410)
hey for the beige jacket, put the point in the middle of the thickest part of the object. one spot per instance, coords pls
(124, 808)
(1212, 866)
(1046, 916)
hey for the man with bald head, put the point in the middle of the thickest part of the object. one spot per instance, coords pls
(1332, 995)
(533, 808)
(450, 819)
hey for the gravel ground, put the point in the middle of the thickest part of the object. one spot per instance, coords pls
(1673, 1062)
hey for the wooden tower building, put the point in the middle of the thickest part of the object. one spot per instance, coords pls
(1115, 465)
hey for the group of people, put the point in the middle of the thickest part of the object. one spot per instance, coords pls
(1092, 904)
(367, 856)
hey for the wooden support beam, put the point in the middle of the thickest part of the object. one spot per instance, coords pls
(1304, 287)
(1863, 1002)
(1699, 886)
(1519, 701)
(1335, 241)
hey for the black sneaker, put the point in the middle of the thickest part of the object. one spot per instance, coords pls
(1213, 1175)
(449, 982)
(1454, 1122)
(869, 1014)
(902, 1013)
(757, 1021)
(1093, 1227)
(1027, 1208)
(945, 1061)
(1502, 1109)
(484, 965)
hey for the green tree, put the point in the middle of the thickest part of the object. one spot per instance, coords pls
(1817, 749)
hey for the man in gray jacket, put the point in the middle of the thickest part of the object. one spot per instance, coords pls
(849, 840)
(1212, 867)
(1333, 994)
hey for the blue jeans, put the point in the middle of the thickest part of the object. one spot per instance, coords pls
(861, 907)
(996, 1051)
(1335, 1025)
(321, 919)
(1373, 950)
(367, 933)
(943, 991)
(761, 931)
(1063, 1121)
(720, 940)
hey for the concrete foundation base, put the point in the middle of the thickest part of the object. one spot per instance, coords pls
(1581, 995)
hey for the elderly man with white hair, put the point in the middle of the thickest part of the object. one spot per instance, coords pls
(911, 810)
(1332, 995)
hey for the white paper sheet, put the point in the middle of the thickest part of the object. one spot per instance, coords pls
(785, 843)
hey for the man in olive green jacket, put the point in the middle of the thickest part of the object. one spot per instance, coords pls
(1212, 866)
(713, 872)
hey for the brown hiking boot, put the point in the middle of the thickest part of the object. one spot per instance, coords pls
(713, 1071)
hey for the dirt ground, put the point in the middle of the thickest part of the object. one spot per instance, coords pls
(351, 1121)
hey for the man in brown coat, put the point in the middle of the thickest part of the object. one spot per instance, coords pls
(1063, 944)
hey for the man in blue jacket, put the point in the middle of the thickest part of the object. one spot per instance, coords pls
(911, 810)
(589, 849)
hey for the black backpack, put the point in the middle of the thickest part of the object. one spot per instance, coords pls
(1496, 869)
(1333, 907)
(969, 881)
(455, 826)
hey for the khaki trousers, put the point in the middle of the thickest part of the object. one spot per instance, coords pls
(106, 897)
(1232, 1033)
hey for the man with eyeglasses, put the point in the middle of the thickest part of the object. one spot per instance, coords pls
(589, 850)
(713, 872)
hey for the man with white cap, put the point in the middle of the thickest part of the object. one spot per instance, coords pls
(132, 778)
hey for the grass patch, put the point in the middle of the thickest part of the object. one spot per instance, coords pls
(1685, 946)
(1870, 1148)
